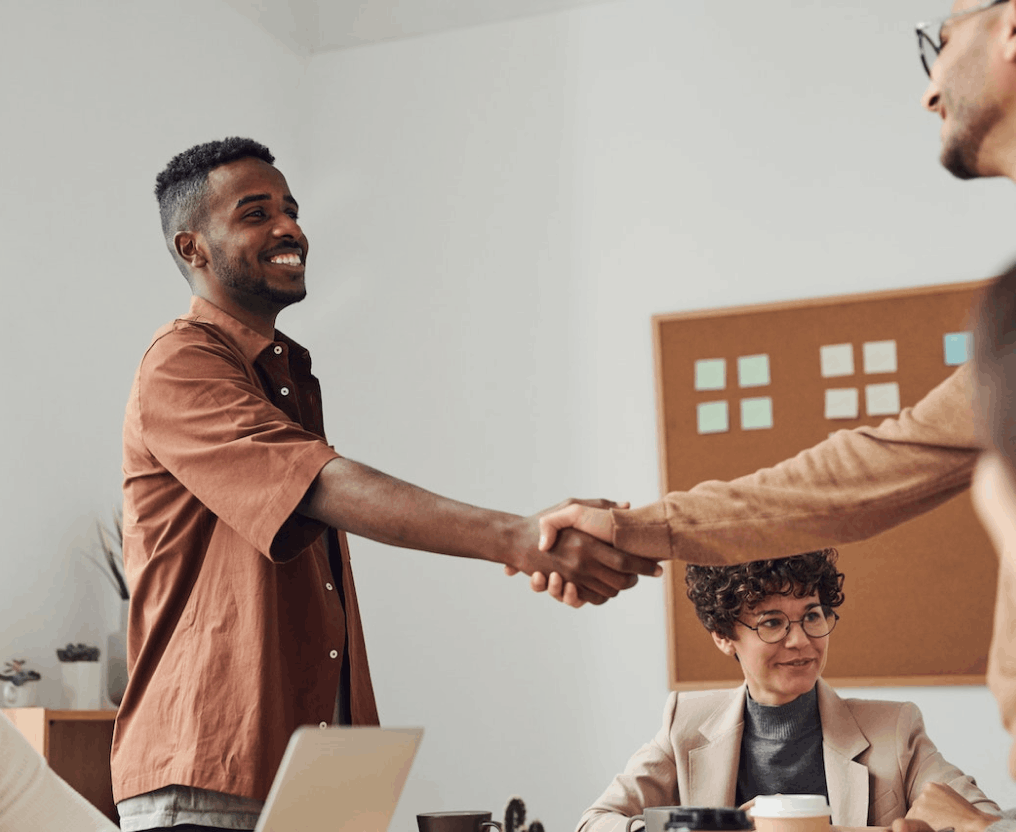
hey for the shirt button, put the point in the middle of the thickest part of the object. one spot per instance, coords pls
(278, 349)
(284, 391)
(334, 654)
(323, 725)
(328, 587)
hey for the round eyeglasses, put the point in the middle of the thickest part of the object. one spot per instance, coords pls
(773, 627)
(931, 44)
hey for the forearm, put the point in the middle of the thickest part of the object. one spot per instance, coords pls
(363, 501)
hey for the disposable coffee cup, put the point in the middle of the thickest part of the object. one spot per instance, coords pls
(791, 813)
(474, 821)
(694, 818)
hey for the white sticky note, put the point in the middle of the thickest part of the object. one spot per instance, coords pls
(753, 370)
(710, 374)
(882, 399)
(842, 403)
(713, 417)
(756, 414)
(837, 360)
(879, 356)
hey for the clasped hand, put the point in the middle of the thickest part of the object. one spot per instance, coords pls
(574, 550)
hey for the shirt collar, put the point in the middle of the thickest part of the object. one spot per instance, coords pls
(251, 343)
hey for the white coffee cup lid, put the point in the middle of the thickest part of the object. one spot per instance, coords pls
(790, 806)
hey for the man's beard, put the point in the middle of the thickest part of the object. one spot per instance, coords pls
(962, 149)
(235, 274)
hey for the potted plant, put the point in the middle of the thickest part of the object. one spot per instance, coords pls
(111, 565)
(19, 684)
(79, 664)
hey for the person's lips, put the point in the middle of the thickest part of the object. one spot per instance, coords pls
(286, 256)
(290, 259)
(796, 663)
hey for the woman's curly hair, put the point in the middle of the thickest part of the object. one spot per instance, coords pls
(719, 593)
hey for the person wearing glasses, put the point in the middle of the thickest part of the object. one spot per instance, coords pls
(784, 730)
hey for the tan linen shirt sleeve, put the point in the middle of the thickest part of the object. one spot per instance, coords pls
(850, 487)
(206, 421)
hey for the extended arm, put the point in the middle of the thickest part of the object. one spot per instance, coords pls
(361, 500)
(849, 487)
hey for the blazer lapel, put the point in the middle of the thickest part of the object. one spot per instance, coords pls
(712, 766)
(842, 741)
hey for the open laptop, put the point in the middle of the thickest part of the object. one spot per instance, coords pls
(340, 779)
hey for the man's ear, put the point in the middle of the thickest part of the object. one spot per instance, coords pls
(189, 249)
(1008, 32)
(724, 644)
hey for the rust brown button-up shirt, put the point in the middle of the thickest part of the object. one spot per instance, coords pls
(239, 622)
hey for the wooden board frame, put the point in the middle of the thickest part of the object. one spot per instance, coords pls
(910, 644)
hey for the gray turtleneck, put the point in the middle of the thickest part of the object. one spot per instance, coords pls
(781, 749)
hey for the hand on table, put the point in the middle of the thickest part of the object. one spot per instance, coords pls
(583, 568)
(941, 807)
(910, 825)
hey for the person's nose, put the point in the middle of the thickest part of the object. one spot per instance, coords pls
(931, 97)
(287, 226)
(797, 637)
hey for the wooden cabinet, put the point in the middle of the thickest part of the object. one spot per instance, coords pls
(76, 745)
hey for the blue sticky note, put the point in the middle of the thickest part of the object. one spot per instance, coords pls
(959, 346)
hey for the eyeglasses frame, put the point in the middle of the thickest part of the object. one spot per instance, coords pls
(923, 29)
(791, 623)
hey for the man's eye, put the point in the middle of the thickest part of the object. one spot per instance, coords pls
(257, 212)
(770, 623)
(293, 214)
(813, 617)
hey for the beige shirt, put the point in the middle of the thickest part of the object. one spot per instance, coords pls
(877, 758)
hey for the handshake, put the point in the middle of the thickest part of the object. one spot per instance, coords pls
(575, 559)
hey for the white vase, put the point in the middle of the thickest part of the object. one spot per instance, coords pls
(18, 696)
(82, 685)
(116, 659)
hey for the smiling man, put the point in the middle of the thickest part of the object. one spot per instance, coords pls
(244, 622)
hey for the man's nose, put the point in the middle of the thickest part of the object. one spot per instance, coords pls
(931, 97)
(287, 226)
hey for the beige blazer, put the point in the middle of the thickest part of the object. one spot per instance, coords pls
(877, 758)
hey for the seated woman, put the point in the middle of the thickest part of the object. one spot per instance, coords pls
(783, 730)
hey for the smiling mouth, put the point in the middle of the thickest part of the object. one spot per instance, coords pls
(798, 663)
(287, 259)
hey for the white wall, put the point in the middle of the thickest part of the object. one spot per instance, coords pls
(495, 213)
(96, 98)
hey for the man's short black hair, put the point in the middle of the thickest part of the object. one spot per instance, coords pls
(180, 188)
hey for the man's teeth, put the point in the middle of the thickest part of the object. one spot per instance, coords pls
(286, 259)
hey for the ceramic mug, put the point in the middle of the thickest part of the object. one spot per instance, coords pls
(456, 822)
(698, 818)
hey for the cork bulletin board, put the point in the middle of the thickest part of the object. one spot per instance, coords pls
(744, 388)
